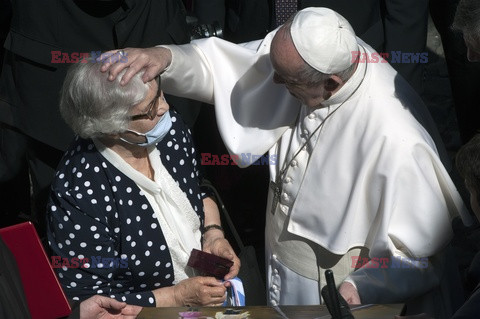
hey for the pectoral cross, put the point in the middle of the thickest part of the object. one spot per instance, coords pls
(277, 191)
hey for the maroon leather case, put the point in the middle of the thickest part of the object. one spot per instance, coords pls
(209, 264)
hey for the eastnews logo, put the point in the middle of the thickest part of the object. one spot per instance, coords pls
(385, 262)
(97, 56)
(93, 262)
(243, 159)
(393, 57)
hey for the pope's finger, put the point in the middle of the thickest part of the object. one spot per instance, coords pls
(110, 58)
(150, 74)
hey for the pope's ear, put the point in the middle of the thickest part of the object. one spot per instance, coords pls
(333, 83)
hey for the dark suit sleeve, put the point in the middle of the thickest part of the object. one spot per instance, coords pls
(469, 310)
(209, 11)
(405, 30)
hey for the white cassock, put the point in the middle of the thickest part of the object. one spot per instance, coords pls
(369, 182)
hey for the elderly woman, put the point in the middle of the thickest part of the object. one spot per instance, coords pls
(125, 208)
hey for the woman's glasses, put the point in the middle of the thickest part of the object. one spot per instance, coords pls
(133, 137)
(152, 107)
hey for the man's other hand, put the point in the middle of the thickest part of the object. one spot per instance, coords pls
(349, 293)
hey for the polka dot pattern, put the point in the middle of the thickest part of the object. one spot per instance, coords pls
(96, 212)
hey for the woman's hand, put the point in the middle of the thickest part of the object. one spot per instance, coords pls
(215, 243)
(199, 291)
(107, 308)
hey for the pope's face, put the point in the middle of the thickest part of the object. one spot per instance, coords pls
(312, 96)
(287, 64)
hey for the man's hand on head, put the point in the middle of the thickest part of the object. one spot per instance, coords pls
(151, 60)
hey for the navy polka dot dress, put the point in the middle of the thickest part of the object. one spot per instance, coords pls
(104, 235)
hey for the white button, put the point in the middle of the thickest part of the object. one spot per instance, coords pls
(274, 257)
(311, 116)
(305, 132)
(288, 180)
(276, 280)
(274, 287)
(275, 271)
(285, 196)
(294, 163)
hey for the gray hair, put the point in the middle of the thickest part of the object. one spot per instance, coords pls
(312, 76)
(94, 106)
(467, 19)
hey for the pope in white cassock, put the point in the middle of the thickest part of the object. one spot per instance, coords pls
(355, 174)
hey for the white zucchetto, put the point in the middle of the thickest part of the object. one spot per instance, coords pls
(324, 39)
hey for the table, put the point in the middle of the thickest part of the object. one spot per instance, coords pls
(282, 312)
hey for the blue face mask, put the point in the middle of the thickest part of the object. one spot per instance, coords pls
(157, 133)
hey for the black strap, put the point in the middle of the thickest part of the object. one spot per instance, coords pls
(206, 183)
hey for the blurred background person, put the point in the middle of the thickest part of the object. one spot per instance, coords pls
(468, 164)
(464, 75)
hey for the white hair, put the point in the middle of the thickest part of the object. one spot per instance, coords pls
(94, 106)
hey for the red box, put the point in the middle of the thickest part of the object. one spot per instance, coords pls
(209, 264)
